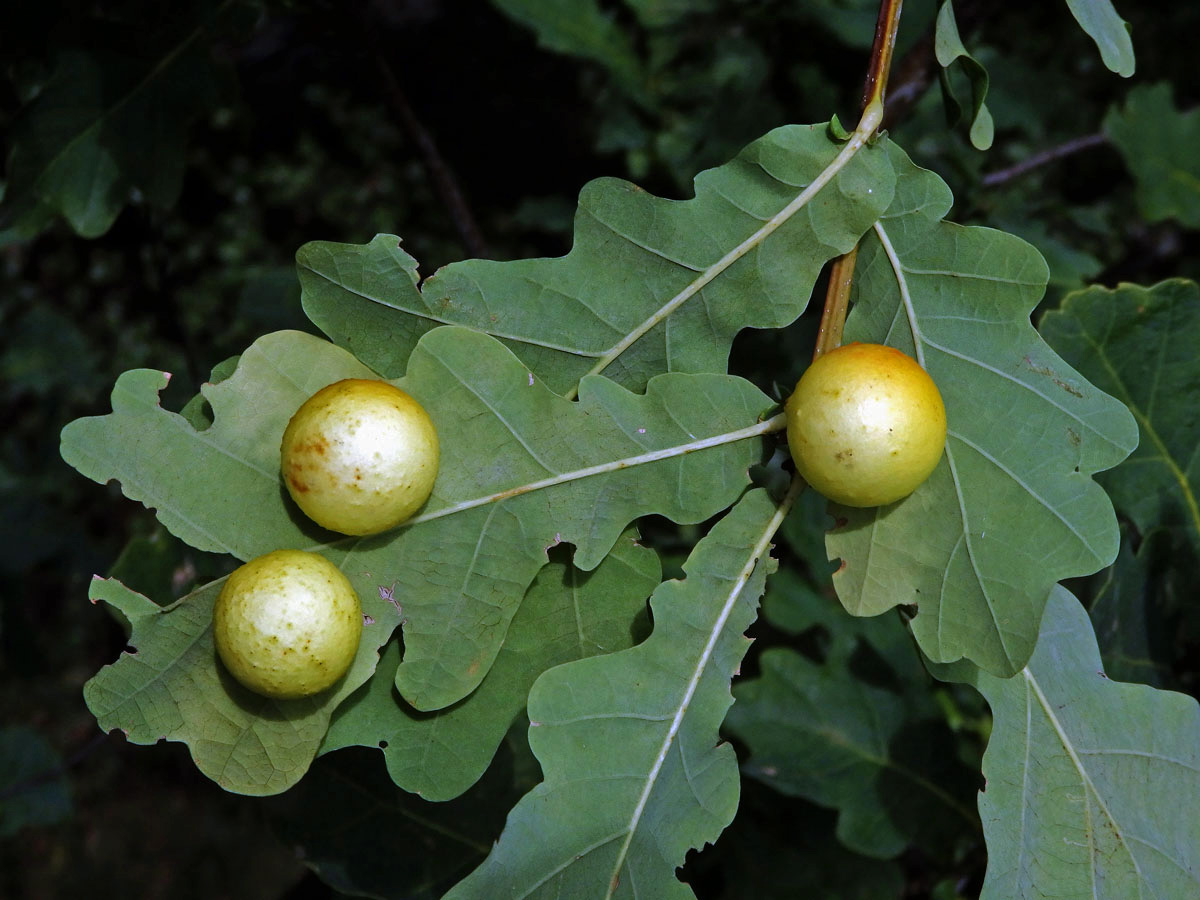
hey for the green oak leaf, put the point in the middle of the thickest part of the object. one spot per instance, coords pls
(858, 731)
(1158, 144)
(566, 614)
(1110, 32)
(1139, 344)
(522, 469)
(107, 124)
(170, 686)
(1012, 506)
(949, 49)
(632, 738)
(1092, 785)
(651, 285)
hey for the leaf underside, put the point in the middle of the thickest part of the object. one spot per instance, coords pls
(1092, 785)
(1012, 506)
(1110, 32)
(634, 255)
(172, 687)
(460, 569)
(566, 614)
(632, 737)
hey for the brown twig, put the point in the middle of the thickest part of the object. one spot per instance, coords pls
(886, 26)
(841, 274)
(1067, 148)
(837, 302)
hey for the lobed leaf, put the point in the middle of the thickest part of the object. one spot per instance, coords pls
(565, 615)
(650, 285)
(1158, 144)
(522, 469)
(106, 124)
(632, 738)
(1012, 506)
(171, 686)
(1092, 785)
(1139, 344)
(858, 730)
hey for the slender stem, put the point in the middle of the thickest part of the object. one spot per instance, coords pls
(841, 274)
(886, 27)
(1068, 148)
(837, 301)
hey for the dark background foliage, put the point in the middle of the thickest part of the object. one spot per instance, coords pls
(447, 123)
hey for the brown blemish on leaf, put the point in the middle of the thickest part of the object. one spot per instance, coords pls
(1053, 376)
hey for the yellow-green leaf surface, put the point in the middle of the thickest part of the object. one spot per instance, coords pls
(650, 286)
(1110, 32)
(170, 686)
(1012, 506)
(1092, 785)
(635, 773)
(522, 469)
(566, 614)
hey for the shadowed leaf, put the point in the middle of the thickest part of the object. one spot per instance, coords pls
(1158, 144)
(1139, 344)
(858, 731)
